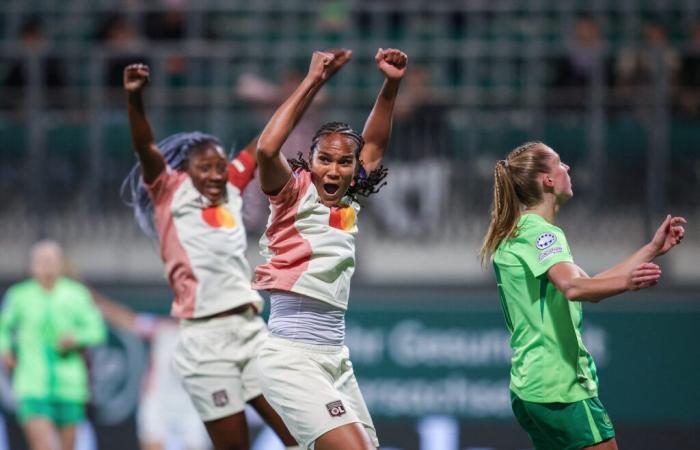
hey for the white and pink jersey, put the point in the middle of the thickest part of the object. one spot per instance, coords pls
(203, 245)
(309, 247)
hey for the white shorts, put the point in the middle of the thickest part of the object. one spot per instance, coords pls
(163, 418)
(215, 360)
(313, 388)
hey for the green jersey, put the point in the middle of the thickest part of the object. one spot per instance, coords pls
(35, 320)
(550, 363)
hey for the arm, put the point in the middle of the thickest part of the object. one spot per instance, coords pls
(274, 169)
(121, 316)
(118, 315)
(152, 163)
(577, 286)
(7, 323)
(392, 63)
(89, 328)
(667, 236)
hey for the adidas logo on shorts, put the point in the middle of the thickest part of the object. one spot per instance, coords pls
(335, 409)
(220, 398)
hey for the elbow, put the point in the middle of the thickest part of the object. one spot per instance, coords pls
(266, 148)
(576, 294)
(265, 152)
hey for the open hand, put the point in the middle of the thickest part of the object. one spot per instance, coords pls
(669, 234)
(136, 76)
(391, 62)
(645, 275)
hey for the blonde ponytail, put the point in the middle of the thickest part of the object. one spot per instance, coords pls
(515, 186)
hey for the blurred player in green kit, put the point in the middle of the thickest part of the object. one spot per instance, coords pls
(46, 322)
(554, 385)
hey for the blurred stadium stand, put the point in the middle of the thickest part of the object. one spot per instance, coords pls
(625, 113)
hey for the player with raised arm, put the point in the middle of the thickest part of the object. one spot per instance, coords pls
(305, 370)
(186, 193)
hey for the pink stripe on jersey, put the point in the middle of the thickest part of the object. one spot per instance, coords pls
(202, 244)
(177, 263)
(291, 252)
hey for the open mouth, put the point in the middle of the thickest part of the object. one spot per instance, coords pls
(330, 188)
(214, 190)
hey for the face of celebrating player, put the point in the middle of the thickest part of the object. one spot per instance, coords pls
(558, 180)
(208, 169)
(333, 167)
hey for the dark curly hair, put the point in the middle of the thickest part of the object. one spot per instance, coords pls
(363, 184)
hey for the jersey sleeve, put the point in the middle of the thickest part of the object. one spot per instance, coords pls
(164, 183)
(8, 315)
(541, 247)
(241, 170)
(291, 191)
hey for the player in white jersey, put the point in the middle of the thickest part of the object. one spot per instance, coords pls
(304, 369)
(187, 194)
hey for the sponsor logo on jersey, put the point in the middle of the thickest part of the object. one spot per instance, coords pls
(218, 217)
(220, 398)
(545, 240)
(549, 252)
(342, 218)
(335, 409)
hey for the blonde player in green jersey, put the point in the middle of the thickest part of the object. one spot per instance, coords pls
(554, 386)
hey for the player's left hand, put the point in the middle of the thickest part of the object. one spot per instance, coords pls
(669, 234)
(391, 62)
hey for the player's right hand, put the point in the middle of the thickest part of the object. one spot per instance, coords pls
(321, 66)
(645, 275)
(136, 76)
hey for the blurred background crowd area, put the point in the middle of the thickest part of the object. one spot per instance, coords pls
(613, 86)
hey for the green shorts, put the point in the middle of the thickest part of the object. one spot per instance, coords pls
(61, 413)
(563, 426)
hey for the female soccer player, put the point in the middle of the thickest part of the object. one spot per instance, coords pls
(554, 387)
(45, 324)
(305, 370)
(190, 194)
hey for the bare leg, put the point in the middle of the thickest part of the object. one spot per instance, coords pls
(229, 433)
(348, 437)
(610, 444)
(67, 435)
(270, 416)
(41, 434)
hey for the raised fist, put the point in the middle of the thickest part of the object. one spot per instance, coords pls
(136, 76)
(391, 62)
(320, 67)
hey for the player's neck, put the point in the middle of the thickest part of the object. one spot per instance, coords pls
(547, 209)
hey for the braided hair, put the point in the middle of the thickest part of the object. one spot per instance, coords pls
(176, 150)
(363, 184)
(515, 185)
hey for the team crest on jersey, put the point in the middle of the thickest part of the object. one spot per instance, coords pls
(220, 398)
(335, 409)
(545, 240)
